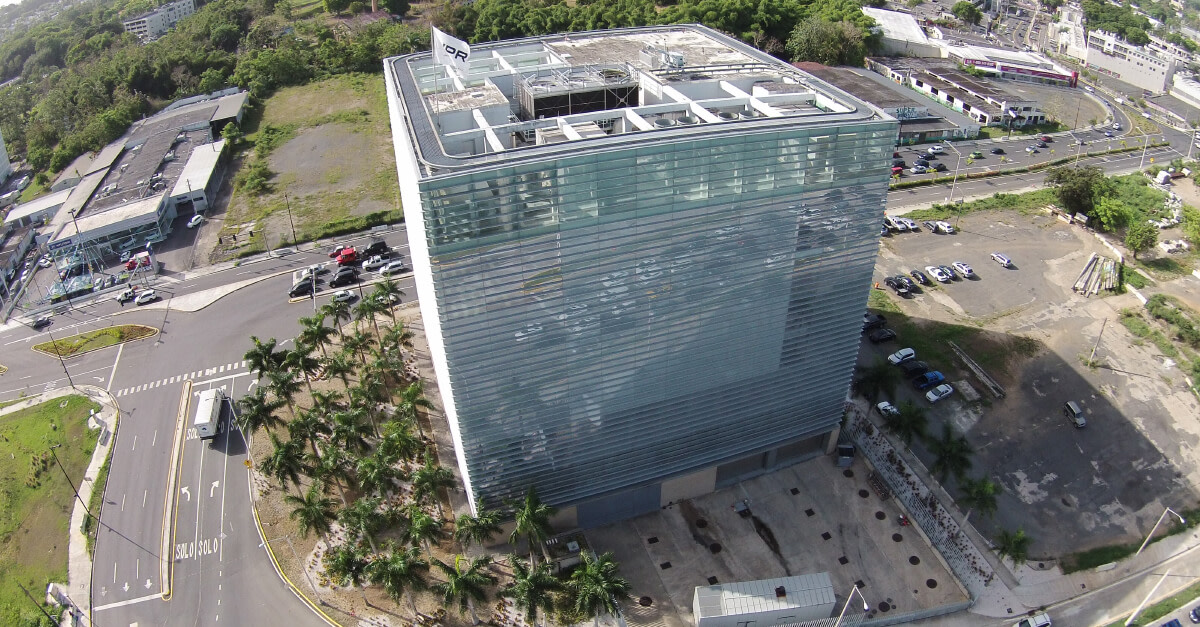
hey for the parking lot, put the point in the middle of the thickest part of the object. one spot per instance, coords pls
(1069, 488)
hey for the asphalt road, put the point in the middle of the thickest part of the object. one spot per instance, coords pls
(219, 570)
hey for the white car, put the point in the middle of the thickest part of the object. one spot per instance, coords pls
(939, 392)
(45, 262)
(887, 409)
(902, 356)
(906, 223)
(918, 169)
(195, 221)
(374, 263)
(937, 273)
(23, 182)
(945, 227)
(936, 149)
(963, 269)
(530, 329)
(343, 296)
(1116, 126)
(147, 296)
(1002, 260)
(392, 267)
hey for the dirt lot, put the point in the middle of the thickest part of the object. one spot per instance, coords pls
(1071, 489)
(1061, 103)
(336, 162)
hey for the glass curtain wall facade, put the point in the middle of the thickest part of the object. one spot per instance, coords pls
(620, 316)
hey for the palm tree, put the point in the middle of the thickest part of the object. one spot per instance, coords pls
(478, 529)
(532, 588)
(398, 337)
(263, 357)
(466, 582)
(286, 461)
(340, 366)
(365, 519)
(375, 474)
(532, 518)
(347, 566)
(878, 378)
(301, 361)
(327, 403)
(398, 441)
(314, 333)
(429, 479)
(340, 312)
(400, 573)
(596, 586)
(910, 423)
(349, 431)
(256, 412)
(313, 512)
(358, 343)
(979, 494)
(367, 309)
(369, 394)
(334, 465)
(952, 454)
(283, 385)
(412, 400)
(1014, 546)
(384, 293)
(423, 529)
(308, 427)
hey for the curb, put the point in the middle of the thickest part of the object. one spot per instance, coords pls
(165, 572)
(35, 348)
(104, 489)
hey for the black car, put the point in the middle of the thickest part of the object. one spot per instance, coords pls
(940, 167)
(303, 288)
(997, 151)
(898, 163)
(376, 247)
(1195, 615)
(1042, 145)
(42, 321)
(920, 277)
(921, 162)
(873, 321)
(881, 335)
(899, 287)
(907, 282)
(348, 278)
(346, 270)
(951, 272)
(912, 367)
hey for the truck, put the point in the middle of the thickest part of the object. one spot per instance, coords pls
(208, 413)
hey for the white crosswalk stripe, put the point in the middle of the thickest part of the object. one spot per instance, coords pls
(226, 368)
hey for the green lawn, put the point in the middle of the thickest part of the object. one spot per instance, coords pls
(102, 338)
(36, 500)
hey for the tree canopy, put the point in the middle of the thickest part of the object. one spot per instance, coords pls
(1118, 20)
(1078, 189)
(967, 12)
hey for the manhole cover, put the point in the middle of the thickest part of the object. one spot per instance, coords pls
(645, 601)
(880, 515)
(884, 606)
(897, 537)
(847, 473)
(931, 583)
(864, 493)
(701, 523)
(714, 548)
(914, 560)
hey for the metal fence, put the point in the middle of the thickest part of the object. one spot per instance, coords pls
(944, 533)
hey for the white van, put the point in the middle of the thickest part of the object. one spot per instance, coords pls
(208, 413)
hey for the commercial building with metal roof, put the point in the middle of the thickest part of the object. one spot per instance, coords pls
(986, 101)
(38, 210)
(766, 602)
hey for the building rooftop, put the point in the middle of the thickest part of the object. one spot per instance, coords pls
(40, 203)
(744, 597)
(897, 25)
(529, 98)
(198, 168)
(984, 87)
(10, 241)
(97, 222)
(876, 92)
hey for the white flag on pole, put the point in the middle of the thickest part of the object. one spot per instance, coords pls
(451, 51)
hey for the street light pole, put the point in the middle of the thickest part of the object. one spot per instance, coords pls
(1132, 616)
(293, 224)
(866, 608)
(68, 477)
(1145, 145)
(1155, 528)
(60, 359)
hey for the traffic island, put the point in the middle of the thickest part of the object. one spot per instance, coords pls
(95, 340)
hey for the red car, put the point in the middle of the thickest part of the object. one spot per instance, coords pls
(1046, 138)
(346, 256)
(337, 250)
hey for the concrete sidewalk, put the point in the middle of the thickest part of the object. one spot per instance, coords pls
(79, 561)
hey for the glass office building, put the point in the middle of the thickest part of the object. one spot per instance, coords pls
(642, 258)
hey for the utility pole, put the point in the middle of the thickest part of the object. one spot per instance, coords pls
(1097, 344)
(68, 478)
(295, 242)
(60, 359)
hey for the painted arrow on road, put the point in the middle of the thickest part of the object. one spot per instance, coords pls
(148, 584)
(186, 491)
(125, 587)
(213, 488)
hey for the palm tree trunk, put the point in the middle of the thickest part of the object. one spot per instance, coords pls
(471, 608)
(413, 602)
(341, 492)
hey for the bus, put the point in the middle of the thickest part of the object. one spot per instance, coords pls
(208, 413)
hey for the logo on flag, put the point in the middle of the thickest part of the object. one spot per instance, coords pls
(451, 51)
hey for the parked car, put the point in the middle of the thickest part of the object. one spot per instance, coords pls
(898, 162)
(901, 356)
(337, 250)
(1108, 133)
(45, 261)
(1038, 620)
(303, 288)
(375, 263)
(929, 379)
(376, 247)
(887, 409)
(918, 169)
(393, 267)
(938, 393)
(873, 321)
(920, 277)
(939, 167)
(950, 271)
(978, 154)
(347, 256)
(343, 296)
(897, 170)
(900, 288)
(1042, 144)
(343, 279)
(127, 295)
(1031, 149)
(1046, 138)
(147, 296)
(1074, 413)
(936, 149)
(997, 151)
(913, 367)
(1174, 622)
(879, 336)
(922, 161)
(937, 273)
(963, 269)
(1002, 259)
(1195, 614)
(195, 221)
(906, 223)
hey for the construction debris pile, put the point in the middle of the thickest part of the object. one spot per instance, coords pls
(1098, 273)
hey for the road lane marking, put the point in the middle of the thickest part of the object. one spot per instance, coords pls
(116, 361)
(155, 440)
(114, 572)
(122, 502)
(144, 493)
(126, 602)
(134, 447)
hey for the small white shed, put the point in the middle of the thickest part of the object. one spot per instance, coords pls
(765, 602)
